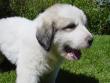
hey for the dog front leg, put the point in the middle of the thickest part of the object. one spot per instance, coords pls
(26, 74)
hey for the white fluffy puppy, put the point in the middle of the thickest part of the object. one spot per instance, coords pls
(37, 47)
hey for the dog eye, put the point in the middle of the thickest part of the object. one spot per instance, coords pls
(70, 26)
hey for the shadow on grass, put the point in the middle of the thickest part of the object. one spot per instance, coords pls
(67, 77)
(6, 66)
(5, 5)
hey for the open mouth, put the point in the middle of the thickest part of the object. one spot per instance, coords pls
(71, 53)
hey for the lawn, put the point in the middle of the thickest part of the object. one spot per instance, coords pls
(93, 67)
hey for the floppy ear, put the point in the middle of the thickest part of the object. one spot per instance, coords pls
(45, 35)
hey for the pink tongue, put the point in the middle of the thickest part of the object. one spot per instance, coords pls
(71, 56)
(74, 55)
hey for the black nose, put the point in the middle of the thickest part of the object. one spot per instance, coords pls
(90, 41)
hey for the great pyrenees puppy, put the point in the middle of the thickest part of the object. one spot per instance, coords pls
(38, 47)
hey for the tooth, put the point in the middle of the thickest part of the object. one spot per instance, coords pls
(75, 57)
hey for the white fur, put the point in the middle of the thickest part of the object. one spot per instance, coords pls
(19, 44)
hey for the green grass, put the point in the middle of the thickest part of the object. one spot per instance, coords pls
(93, 67)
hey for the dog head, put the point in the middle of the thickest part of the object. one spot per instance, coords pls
(64, 26)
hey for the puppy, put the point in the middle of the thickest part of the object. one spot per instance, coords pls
(38, 47)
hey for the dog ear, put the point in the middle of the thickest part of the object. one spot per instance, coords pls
(45, 35)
